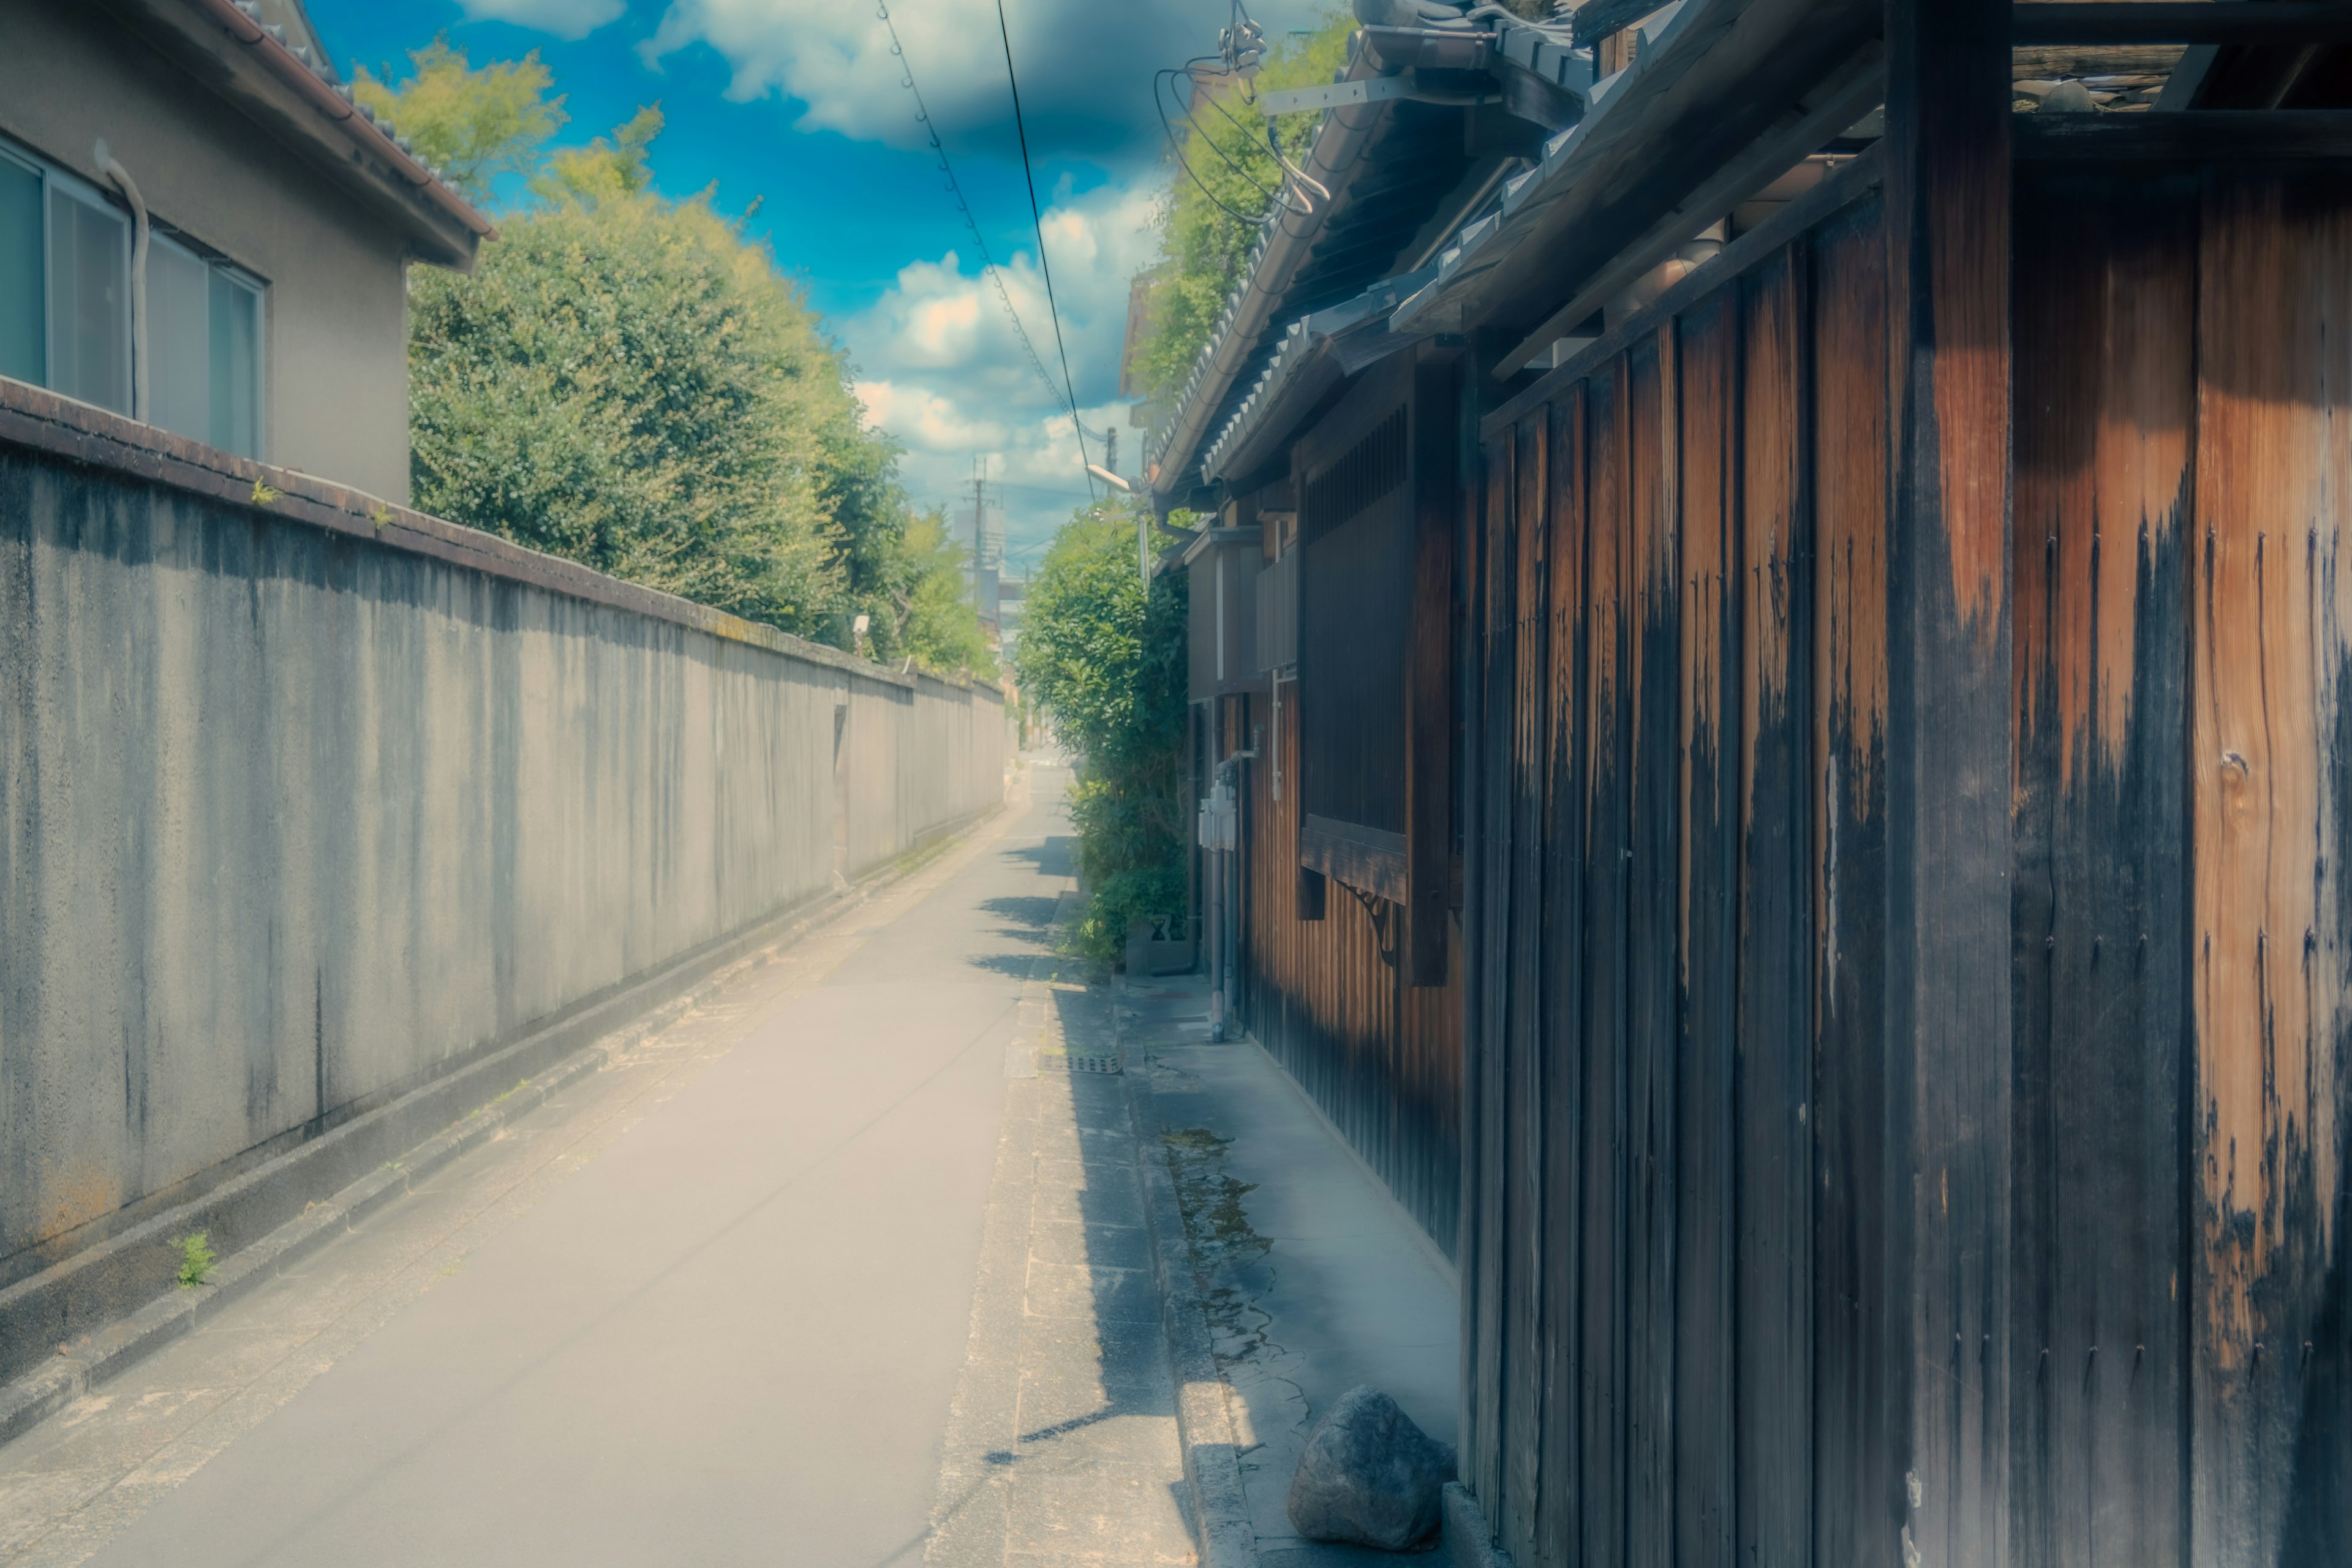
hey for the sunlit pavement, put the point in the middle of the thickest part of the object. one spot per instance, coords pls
(713, 1304)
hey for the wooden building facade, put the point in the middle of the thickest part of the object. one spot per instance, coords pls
(1900, 735)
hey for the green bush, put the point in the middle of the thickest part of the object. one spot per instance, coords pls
(632, 382)
(1104, 655)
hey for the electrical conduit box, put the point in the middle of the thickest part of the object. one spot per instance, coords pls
(1218, 819)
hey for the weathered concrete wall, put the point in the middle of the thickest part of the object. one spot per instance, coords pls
(303, 802)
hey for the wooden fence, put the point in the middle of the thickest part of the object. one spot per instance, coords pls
(1905, 1109)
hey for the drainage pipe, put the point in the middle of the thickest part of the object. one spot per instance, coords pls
(140, 409)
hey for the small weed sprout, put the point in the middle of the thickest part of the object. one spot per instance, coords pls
(197, 1259)
(264, 493)
(380, 516)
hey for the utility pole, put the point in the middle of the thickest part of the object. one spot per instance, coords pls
(979, 518)
(987, 562)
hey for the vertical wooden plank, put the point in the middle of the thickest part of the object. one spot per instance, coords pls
(1602, 1138)
(1559, 1509)
(1861, 1320)
(1654, 684)
(1706, 1202)
(1523, 1088)
(2105, 387)
(1776, 881)
(1474, 1463)
(1949, 691)
(1428, 808)
(2272, 928)
(1496, 850)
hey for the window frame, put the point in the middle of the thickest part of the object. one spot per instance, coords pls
(51, 174)
(213, 262)
(39, 169)
(75, 188)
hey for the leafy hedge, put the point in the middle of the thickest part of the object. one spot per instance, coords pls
(1104, 655)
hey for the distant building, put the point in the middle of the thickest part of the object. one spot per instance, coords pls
(1011, 595)
(267, 314)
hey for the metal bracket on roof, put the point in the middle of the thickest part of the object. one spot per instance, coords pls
(1334, 95)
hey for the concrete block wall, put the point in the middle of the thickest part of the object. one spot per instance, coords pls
(306, 800)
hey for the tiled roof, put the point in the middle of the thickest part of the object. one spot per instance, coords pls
(1391, 166)
(312, 75)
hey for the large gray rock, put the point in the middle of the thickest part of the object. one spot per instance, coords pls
(1369, 1477)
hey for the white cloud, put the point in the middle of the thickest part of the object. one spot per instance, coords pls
(944, 371)
(1086, 66)
(564, 18)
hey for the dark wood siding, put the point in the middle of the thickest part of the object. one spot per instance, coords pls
(2105, 387)
(1356, 522)
(1381, 1057)
(1777, 1250)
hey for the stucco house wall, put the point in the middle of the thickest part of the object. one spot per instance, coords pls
(335, 340)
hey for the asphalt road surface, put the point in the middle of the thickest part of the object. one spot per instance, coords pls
(708, 1306)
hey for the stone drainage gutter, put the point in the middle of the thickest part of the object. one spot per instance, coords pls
(363, 1164)
(1204, 1418)
(1206, 1427)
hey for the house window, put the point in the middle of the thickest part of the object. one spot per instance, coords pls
(22, 318)
(90, 299)
(65, 312)
(203, 332)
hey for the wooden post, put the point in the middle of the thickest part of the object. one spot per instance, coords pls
(1429, 671)
(1949, 763)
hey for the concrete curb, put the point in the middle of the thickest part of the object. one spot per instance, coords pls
(1204, 1423)
(1469, 1543)
(558, 1055)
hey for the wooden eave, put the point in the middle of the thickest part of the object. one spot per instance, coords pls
(1735, 90)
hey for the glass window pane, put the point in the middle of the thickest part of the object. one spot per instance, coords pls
(179, 340)
(89, 304)
(235, 366)
(21, 352)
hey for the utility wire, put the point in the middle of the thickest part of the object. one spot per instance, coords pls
(1037, 216)
(1176, 150)
(988, 262)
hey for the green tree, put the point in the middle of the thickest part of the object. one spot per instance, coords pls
(1226, 182)
(934, 619)
(474, 125)
(628, 381)
(1103, 653)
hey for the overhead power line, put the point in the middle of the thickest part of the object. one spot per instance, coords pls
(1037, 216)
(955, 188)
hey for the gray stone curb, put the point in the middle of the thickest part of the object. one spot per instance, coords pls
(1204, 1422)
(1469, 1543)
(107, 1352)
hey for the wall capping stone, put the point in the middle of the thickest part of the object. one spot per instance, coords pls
(62, 426)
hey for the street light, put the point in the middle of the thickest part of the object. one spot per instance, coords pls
(1142, 524)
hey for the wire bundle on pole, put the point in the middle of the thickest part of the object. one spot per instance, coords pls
(1240, 49)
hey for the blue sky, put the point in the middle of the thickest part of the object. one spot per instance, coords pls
(797, 103)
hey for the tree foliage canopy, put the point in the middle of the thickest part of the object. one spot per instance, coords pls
(474, 125)
(1104, 655)
(631, 382)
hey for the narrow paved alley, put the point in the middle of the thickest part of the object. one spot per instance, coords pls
(714, 1303)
